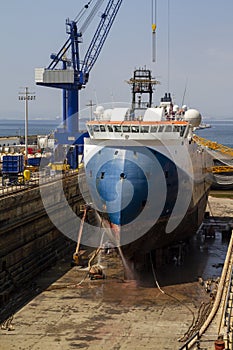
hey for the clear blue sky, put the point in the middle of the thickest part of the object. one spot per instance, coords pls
(201, 53)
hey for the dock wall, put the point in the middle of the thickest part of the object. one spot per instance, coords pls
(29, 242)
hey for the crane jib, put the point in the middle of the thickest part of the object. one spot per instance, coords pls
(74, 75)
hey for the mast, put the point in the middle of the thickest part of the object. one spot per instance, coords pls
(142, 85)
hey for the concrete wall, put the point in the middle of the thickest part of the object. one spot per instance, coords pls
(29, 242)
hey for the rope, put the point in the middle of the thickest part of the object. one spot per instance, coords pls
(168, 47)
(172, 297)
(154, 275)
(80, 231)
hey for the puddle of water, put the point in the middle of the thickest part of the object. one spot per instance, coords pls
(203, 257)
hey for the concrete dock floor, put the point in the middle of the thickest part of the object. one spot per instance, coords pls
(103, 314)
(64, 309)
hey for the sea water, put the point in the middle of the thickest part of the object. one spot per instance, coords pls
(16, 127)
(221, 131)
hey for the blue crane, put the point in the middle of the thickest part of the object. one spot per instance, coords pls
(74, 73)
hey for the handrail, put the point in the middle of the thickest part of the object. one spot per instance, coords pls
(186, 345)
(225, 271)
(36, 180)
(213, 145)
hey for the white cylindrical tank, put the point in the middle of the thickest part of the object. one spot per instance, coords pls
(193, 117)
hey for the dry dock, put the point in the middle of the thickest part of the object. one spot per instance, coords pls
(108, 314)
(64, 309)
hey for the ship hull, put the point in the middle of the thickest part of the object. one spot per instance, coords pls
(157, 238)
(149, 198)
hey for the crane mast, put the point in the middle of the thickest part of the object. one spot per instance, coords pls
(73, 76)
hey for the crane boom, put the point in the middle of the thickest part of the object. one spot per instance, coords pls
(73, 76)
(107, 19)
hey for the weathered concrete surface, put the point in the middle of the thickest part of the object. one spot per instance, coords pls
(103, 314)
(222, 207)
(29, 242)
(109, 314)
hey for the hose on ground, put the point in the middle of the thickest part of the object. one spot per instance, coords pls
(169, 295)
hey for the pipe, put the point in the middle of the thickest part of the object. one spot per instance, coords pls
(219, 293)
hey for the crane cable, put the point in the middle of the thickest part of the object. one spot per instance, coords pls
(82, 12)
(153, 21)
(168, 45)
(91, 15)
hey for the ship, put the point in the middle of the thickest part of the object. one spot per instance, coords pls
(146, 175)
(222, 169)
(203, 126)
(222, 177)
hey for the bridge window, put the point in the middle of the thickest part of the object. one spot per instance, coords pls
(96, 128)
(135, 128)
(110, 128)
(102, 128)
(144, 129)
(154, 128)
(117, 128)
(168, 128)
(176, 128)
(126, 128)
(161, 127)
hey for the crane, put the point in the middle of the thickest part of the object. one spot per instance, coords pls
(74, 72)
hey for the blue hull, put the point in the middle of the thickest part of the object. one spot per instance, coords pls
(120, 185)
(136, 189)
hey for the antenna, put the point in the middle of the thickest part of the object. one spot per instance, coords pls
(185, 89)
(91, 104)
